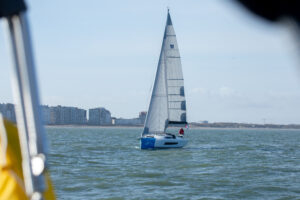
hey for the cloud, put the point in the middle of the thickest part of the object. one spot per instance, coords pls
(222, 91)
(201, 91)
(225, 91)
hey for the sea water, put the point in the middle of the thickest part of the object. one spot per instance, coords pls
(107, 163)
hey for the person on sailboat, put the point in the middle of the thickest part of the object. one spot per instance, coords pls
(181, 132)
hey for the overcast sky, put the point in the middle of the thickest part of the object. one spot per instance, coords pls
(95, 53)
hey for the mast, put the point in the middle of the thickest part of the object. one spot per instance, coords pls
(168, 23)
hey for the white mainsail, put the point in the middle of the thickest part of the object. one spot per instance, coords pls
(167, 104)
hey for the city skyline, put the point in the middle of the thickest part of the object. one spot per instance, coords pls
(85, 118)
(68, 115)
(236, 68)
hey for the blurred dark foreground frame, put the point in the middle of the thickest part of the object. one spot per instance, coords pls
(25, 90)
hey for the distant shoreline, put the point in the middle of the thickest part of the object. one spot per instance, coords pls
(191, 127)
(93, 126)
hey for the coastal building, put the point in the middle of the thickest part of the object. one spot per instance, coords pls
(55, 116)
(99, 116)
(78, 116)
(142, 116)
(61, 115)
(113, 120)
(46, 114)
(8, 111)
(129, 122)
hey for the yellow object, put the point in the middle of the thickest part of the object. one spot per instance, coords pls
(11, 175)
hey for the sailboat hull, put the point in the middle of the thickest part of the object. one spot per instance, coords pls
(162, 141)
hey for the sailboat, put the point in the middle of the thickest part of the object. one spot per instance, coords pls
(167, 105)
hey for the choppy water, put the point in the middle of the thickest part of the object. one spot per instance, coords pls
(106, 163)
